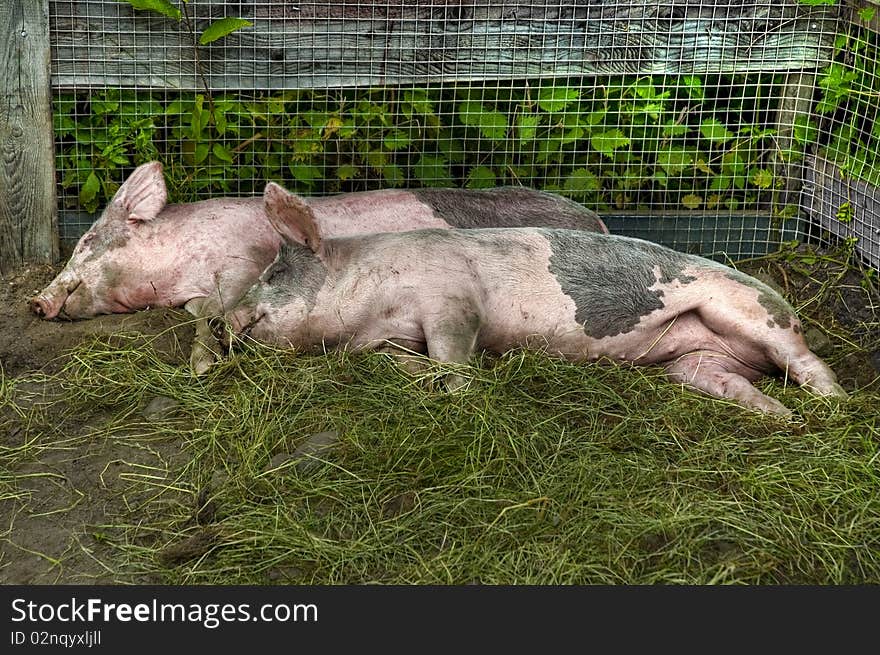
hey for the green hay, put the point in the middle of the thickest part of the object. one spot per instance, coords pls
(539, 472)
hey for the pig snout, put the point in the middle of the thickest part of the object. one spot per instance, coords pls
(44, 308)
(242, 318)
(50, 302)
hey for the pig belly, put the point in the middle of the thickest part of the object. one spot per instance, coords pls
(670, 338)
(546, 321)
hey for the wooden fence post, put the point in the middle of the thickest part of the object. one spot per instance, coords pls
(28, 206)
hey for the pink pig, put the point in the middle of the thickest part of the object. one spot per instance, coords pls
(203, 256)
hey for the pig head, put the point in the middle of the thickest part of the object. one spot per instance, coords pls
(144, 253)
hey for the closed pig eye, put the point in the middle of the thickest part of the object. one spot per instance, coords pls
(86, 240)
(273, 271)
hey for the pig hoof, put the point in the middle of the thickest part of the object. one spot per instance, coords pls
(773, 406)
(834, 390)
(201, 360)
(455, 383)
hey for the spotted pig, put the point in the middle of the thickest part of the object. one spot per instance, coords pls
(578, 295)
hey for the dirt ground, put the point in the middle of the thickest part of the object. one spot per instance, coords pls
(50, 523)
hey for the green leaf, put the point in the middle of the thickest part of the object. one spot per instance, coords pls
(674, 160)
(480, 177)
(867, 14)
(596, 117)
(89, 190)
(607, 142)
(220, 120)
(393, 175)
(222, 153)
(396, 140)
(673, 129)
(582, 180)
(198, 119)
(62, 124)
(845, 213)
(377, 158)
(346, 172)
(176, 107)
(691, 201)
(316, 119)
(644, 89)
(418, 103)
(201, 152)
(694, 86)
(557, 98)
(305, 173)
(715, 131)
(348, 129)
(159, 6)
(732, 164)
(432, 171)
(100, 107)
(527, 127)
(805, 130)
(275, 105)
(491, 124)
(220, 28)
(815, 3)
(572, 135)
(761, 178)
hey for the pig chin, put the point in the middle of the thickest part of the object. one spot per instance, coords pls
(73, 310)
(82, 305)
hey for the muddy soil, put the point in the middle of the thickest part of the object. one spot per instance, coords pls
(51, 516)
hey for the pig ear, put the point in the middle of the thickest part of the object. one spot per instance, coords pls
(291, 217)
(143, 195)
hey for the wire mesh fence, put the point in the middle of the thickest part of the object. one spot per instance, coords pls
(722, 128)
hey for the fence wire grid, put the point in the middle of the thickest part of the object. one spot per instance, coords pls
(722, 128)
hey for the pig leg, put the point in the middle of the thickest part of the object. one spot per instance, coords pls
(788, 351)
(205, 346)
(709, 376)
(452, 338)
(801, 365)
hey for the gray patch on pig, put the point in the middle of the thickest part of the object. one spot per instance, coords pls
(779, 310)
(508, 207)
(113, 276)
(296, 273)
(105, 235)
(610, 280)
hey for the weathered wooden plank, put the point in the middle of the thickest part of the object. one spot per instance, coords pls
(311, 45)
(830, 195)
(28, 215)
(795, 102)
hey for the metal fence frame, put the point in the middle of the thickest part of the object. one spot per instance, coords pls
(88, 45)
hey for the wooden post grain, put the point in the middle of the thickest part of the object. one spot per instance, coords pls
(28, 208)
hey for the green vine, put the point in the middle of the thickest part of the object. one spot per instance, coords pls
(634, 143)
